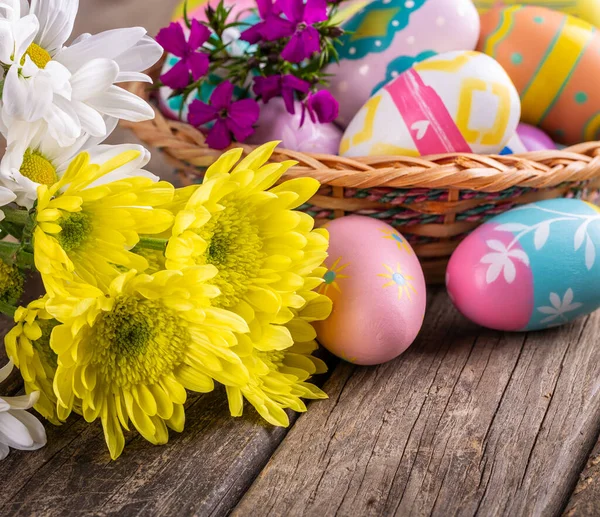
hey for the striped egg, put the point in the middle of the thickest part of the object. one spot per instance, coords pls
(553, 71)
(454, 102)
(533, 267)
(588, 10)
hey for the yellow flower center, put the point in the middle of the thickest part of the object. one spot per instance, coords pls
(234, 247)
(38, 55)
(38, 169)
(76, 227)
(11, 283)
(138, 342)
(273, 359)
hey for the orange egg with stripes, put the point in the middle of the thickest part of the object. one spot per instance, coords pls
(554, 60)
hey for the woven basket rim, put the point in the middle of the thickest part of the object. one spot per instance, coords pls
(186, 149)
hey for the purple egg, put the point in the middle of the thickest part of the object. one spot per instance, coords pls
(275, 123)
(534, 139)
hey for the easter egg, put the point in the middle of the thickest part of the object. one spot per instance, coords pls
(196, 9)
(534, 139)
(530, 268)
(514, 146)
(588, 10)
(377, 287)
(275, 123)
(389, 36)
(554, 71)
(459, 101)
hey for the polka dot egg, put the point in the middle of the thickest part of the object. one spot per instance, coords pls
(387, 37)
(377, 287)
(553, 71)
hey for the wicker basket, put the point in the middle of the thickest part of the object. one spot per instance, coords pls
(434, 201)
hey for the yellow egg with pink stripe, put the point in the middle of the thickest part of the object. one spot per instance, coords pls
(553, 59)
(588, 10)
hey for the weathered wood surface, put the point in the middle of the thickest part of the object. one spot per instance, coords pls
(585, 499)
(467, 422)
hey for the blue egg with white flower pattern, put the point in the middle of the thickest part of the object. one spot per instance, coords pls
(387, 37)
(533, 267)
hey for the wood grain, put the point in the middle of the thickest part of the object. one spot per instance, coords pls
(585, 500)
(467, 422)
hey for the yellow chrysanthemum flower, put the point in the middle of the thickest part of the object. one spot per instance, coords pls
(28, 346)
(248, 229)
(130, 353)
(278, 378)
(11, 283)
(86, 225)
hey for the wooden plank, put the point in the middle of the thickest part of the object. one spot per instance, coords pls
(468, 421)
(203, 471)
(585, 500)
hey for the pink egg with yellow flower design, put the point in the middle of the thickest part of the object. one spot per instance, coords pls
(377, 287)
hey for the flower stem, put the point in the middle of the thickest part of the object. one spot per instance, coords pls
(12, 253)
(150, 243)
(15, 215)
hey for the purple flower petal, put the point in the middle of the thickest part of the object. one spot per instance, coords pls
(293, 9)
(198, 63)
(294, 50)
(239, 132)
(221, 96)
(324, 106)
(275, 28)
(178, 77)
(201, 113)
(315, 11)
(266, 8)
(172, 39)
(267, 87)
(244, 113)
(219, 136)
(295, 83)
(199, 35)
(310, 41)
(252, 35)
(288, 100)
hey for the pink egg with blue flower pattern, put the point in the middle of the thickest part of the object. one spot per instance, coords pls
(377, 287)
(533, 267)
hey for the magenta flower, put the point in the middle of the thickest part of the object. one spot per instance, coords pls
(297, 25)
(280, 85)
(230, 118)
(172, 39)
(321, 106)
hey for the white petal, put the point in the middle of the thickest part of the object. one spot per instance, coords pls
(56, 22)
(91, 121)
(140, 57)
(60, 78)
(22, 401)
(510, 272)
(24, 31)
(7, 41)
(568, 298)
(13, 432)
(35, 427)
(6, 370)
(104, 153)
(26, 99)
(108, 44)
(493, 272)
(63, 123)
(6, 196)
(555, 300)
(496, 245)
(11, 9)
(119, 103)
(4, 450)
(131, 77)
(93, 78)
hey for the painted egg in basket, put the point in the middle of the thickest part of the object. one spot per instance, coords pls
(389, 36)
(454, 102)
(377, 288)
(588, 10)
(554, 71)
(531, 268)
(534, 139)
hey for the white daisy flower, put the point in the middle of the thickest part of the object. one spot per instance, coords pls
(71, 89)
(18, 428)
(37, 160)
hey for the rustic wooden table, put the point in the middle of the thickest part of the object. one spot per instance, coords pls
(467, 422)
